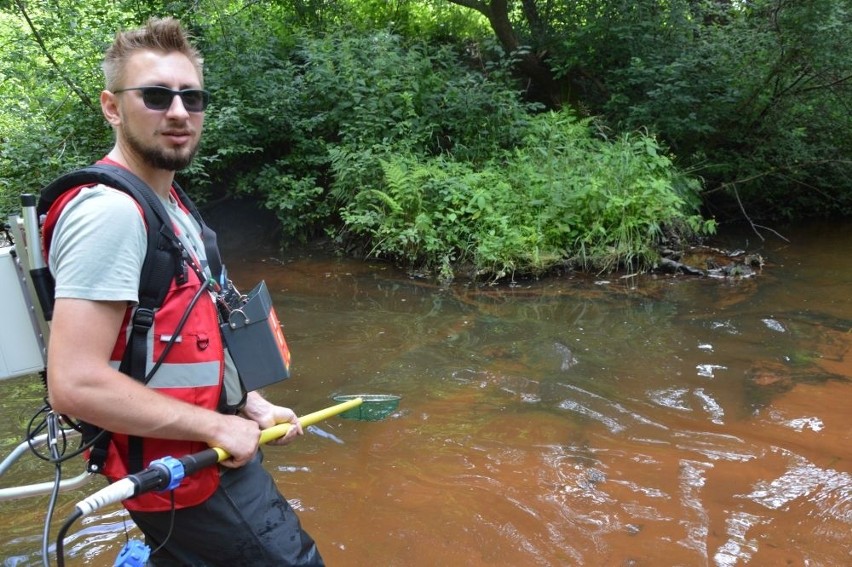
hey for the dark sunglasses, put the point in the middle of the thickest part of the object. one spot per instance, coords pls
(160, 98)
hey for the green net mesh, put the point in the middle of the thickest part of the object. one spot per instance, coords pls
(373, 408)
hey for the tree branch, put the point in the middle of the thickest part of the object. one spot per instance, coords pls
(80, 94)
(823, 86)
(478, 5)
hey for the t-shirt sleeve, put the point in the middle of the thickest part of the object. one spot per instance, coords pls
(98, 247)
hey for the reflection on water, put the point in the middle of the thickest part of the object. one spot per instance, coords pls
(562, 422)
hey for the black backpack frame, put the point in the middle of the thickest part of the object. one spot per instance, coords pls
(165, 260)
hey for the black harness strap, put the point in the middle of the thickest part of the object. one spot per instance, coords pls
(164, 260)
(208, 235)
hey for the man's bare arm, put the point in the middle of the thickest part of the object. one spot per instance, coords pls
(81, 383)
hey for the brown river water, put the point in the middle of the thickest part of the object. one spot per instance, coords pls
(569, 421)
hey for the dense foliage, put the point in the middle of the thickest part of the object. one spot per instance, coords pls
(753, 96)
(459, 135)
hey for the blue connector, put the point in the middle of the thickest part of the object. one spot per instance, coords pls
(134, 554)
(173, 467)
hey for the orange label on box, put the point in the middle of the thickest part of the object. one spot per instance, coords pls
(278, 332)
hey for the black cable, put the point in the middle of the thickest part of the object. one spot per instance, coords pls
(60, 536)
(177, 331)
(34, 429)
(51, 506)
(171, 525)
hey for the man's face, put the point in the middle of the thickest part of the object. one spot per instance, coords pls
(162, 139)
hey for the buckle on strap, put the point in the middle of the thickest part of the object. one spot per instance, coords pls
(98, 453)
(143, 319)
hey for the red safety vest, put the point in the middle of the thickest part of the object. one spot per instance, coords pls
(192, 371)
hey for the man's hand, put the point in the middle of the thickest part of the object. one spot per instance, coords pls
(266, 414)
(237, 436)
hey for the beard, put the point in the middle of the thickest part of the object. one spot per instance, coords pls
(171, 159)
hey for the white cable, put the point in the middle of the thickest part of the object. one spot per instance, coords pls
(115, 492)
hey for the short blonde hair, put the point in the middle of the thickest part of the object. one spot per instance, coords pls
(165, 35)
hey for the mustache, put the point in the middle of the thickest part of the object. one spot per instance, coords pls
(183, 130)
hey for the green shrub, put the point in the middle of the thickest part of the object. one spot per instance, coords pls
(562, 196)
(323, 117)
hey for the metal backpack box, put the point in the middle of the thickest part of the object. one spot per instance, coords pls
(21, 349)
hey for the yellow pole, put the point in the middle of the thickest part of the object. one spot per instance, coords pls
(280, 430)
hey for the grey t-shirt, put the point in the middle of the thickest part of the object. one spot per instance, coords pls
(98, 246)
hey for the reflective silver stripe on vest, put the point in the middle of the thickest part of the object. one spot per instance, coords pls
(188, 375)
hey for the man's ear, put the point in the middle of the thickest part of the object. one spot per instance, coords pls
(109, 106)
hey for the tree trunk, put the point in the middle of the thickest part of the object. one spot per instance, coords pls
(544, 85)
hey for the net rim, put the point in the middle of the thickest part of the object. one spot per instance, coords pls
(367, 398)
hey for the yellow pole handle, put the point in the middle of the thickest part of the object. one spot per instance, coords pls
(281, 429)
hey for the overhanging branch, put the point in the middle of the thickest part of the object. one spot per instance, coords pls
(80, 94)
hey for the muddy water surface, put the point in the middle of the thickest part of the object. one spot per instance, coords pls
(571, 421)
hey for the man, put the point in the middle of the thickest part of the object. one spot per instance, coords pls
(233, 515)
